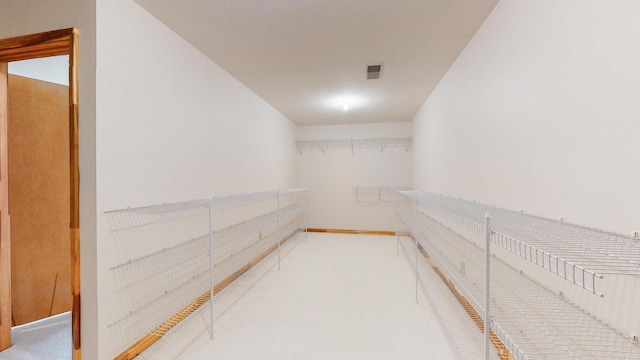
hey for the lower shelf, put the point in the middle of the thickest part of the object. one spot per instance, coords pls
(462, 332)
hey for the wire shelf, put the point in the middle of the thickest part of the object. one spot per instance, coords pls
(230, 233)
(380, 143)
(195, 329)
(460, 330)
(532, 321)
(230, 260)
(152, 314)
(578, 254)
(377, 195)
(172, 257)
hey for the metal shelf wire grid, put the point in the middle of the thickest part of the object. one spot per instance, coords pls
(380, 143)
(196, 326)
(578, 254)
(460, 330)
(377, 195)
(166, 264)
(532, 321)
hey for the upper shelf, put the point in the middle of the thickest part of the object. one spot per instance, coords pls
(380, 143)
(377, 195)
(161, 209)
(576, 253)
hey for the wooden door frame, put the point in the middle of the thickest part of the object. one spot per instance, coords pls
(52, 43)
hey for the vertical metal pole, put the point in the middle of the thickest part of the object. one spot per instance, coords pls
(305, 217)
(417, 250)
(417, 273)
(398, 224)
(487, 288)
(307, 214)
(278, 227)
(211, 259)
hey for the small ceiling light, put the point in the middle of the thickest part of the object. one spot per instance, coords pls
(342, 102)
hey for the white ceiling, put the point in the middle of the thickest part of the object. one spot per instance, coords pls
(305, 57)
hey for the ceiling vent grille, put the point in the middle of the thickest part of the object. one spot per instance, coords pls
(373, 72)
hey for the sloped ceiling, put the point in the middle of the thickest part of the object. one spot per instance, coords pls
(306, 57)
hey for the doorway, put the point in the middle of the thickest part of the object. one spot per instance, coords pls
(53, 43)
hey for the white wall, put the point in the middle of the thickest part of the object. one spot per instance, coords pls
(171, 126)
(540, 113)
(23, 17)
(331, 176)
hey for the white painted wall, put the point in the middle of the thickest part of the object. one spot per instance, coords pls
(23, 17)
(331, 176)
(171, 126)
(540, 112)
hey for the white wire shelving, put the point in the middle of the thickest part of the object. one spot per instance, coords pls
(377, 195)
(578, 254)
(532, 321)
(174, 258)
(460, 330)
(380, 143)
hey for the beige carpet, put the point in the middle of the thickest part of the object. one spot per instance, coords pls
(335, 297)
(47, 339)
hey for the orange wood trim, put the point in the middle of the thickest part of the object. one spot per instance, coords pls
(75, 292)
(51, 43)
(5, 236)
(157, 333)
(503, 353)
(353, 232)
(74, 201)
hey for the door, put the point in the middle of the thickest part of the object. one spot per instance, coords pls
(38, 148)
(52, 43)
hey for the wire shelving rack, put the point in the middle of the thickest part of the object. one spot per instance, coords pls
(460, 330)
(380, 143)
(578, 254)
(532, 321)
(377, 195)
(174, 258)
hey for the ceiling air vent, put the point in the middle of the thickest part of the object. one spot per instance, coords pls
(373, 72)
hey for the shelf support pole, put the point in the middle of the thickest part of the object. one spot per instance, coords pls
(211, 264)
(278, 227)
(487, 288)
(307, 216)
(398, 224)
(417, 273)
(417, 251)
